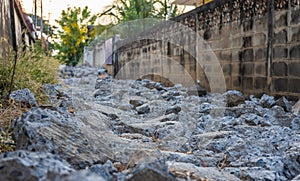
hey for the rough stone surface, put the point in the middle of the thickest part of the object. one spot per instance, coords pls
(173, 109)
(234, 98)
(143, 109)
(106, 170)
(267, 101)
(187, 170)
(79, 175)
(139, 126)
(22, 165)
(296, 178)
(23, 97)
(136, 103)
(296, 108)
(151, 171)
(284, 103)
(58, 132)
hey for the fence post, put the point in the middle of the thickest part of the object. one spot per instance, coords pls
(270, 6)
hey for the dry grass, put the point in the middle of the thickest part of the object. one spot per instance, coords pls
(33, 70)
(8, 112)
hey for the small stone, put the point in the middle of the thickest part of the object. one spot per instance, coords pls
(234, 98)
(102, 71)
(206, 107)
(103, 84)
(136, 103)
(66, 71)
(267, 101)
(144, 109)
(296, 108)
(102, 93)
(173, 109)
(255, 173)
(169, 95)
(125, 107)
(157, 171)
(295, 125)
(284, 103)
(106, 170)
(254, 99)
(252, 119)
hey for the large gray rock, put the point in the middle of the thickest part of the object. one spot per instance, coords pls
(29, 166)
(55, 132)
(82, 140)
(23, 97)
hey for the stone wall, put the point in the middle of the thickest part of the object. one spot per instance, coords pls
(257, 44)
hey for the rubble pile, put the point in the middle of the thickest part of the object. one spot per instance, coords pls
(99, 128)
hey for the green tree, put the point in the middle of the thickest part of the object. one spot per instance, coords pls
(73, 34)
(127, 10)
(165, 9)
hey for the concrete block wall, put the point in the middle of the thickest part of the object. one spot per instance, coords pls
(256, 42)
(286, 50)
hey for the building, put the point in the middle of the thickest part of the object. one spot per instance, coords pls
(15, 26)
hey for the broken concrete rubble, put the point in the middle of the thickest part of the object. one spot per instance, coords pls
(139, 127)
(23, 97)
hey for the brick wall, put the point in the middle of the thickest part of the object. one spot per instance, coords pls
(257, 45)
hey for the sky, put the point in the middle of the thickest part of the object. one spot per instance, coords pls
(56, 6)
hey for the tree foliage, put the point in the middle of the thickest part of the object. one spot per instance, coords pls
(127, 10)
(73, 34)
(166, 9)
